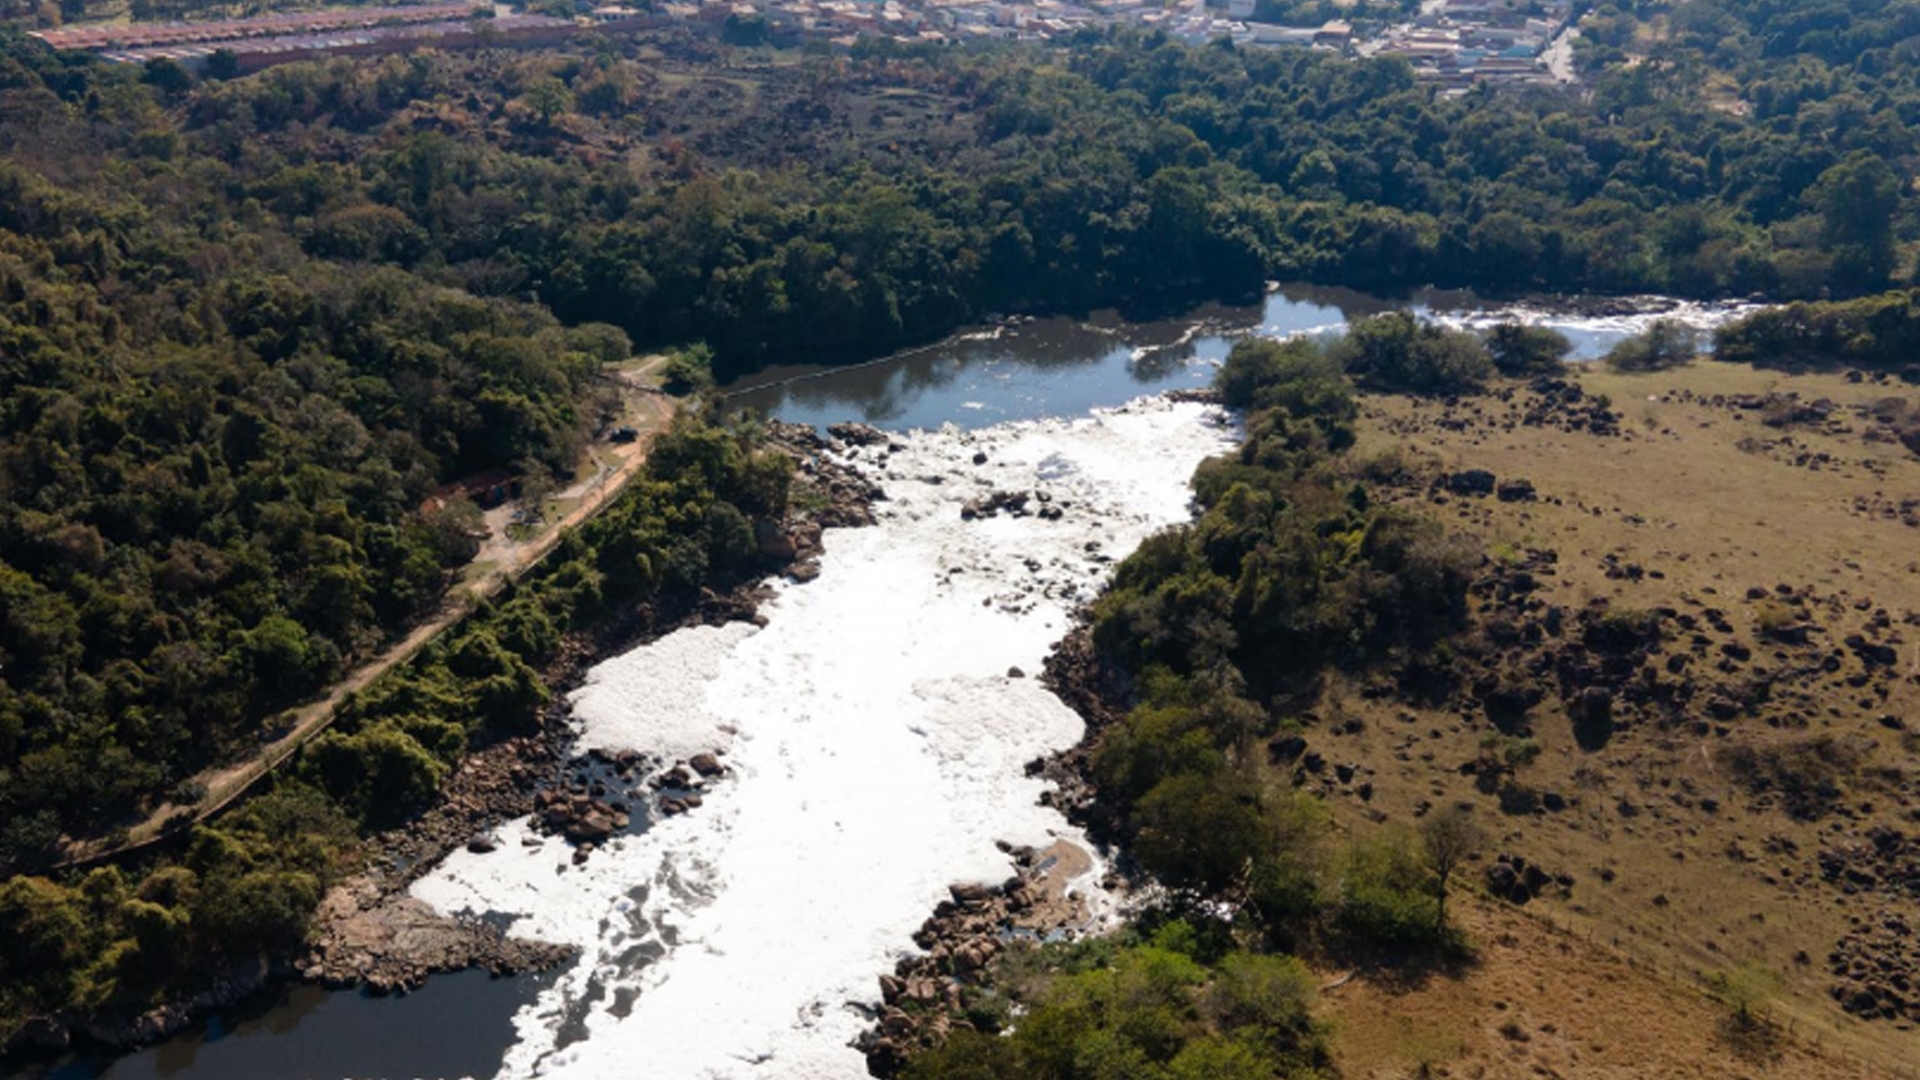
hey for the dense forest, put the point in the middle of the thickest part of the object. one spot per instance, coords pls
(1122, 167)
(249, 326)
(112, 942)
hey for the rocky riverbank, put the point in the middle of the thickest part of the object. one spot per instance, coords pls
(926, 997)
(369, 932)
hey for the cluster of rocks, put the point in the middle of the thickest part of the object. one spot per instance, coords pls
(1196, 395)
(796, 542)
(1676, 666)
(844, 498)
(1076, 674)
(1788, 410)
(925, 998)
(597, 801)
(854, 434)
(583, 819)
(1885, 420)
(1517, 880)
(1015, 504)
(369, 932)
(1888, 861)
(1560, 403)
(1614, 307)
(679, 785)
(492, 785)
(369, 936)
(1884, 508)
(1876, 965)
(1311, 768)
(1479, 483)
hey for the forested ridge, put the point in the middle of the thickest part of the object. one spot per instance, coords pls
(797, 220)
(247, 327)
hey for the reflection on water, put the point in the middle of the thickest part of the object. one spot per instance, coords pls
(455, 1026)
(1064, 366)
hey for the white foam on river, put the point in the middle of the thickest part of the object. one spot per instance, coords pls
(1594, 334)
(876, 743)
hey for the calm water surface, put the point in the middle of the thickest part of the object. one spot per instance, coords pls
(1066, 366)
(455, 1026)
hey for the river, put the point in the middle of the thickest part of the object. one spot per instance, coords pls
(875, 730)
(1067, 366)
(456, 1026)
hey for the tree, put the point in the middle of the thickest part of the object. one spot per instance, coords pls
(221, 65)
(689, 370)
(1448, 837)
(1857, 200)
(1388, 900)
(1199, 831)
(1397, 352)
(1666, 344)
(747, 31)
(168, 76)
(1518, 349)
(547, 97)
(1297, 376)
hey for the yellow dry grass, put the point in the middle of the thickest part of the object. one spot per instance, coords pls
(1677, 864)
(1541, 1002)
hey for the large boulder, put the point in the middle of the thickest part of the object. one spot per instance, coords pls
(1593, 714)
(1515, 491)
(772, 541)
(593, 826)
(1478, 482)
(858, 434)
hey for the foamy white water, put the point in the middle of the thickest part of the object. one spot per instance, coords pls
(876, 743)
(1594, 334)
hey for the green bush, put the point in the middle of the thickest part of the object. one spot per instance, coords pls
(1151, 1013)
(689, 370)
(1397, 352)
(1519, 350)
(1389, 900)
(1664, 345)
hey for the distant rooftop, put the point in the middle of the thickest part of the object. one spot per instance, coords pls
(155, 35)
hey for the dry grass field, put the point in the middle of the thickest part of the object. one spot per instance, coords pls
(1696, 698)
(1545, 1003)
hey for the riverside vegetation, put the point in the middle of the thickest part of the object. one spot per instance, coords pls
(1322, 603)
(250, 326)
(1221, 628)
(111, 941)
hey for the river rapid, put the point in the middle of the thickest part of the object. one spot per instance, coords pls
(875, 732)
(877, 727)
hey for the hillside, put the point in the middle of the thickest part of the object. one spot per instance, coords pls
(1733, 565)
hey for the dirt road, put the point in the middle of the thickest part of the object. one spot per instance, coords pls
(504, 555)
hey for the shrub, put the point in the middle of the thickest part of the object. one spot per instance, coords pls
(1297, 376)
(1388, 899)
(1518, 349)
(1664, 345)
(1398, 352)
(689, 370)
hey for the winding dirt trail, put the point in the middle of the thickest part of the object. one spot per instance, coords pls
(501, 559)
